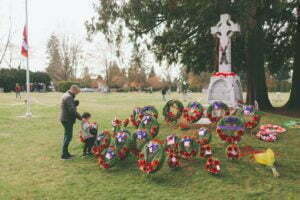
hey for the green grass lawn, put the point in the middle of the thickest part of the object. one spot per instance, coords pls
(30, 165)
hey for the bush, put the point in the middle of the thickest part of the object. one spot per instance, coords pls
(9, 78)
(63, 86)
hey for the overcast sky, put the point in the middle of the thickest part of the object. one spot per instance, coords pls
(63, 17)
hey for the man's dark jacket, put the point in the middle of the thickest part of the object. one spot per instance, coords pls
(68, 108)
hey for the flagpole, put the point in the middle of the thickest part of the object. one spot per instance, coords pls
(28, 112)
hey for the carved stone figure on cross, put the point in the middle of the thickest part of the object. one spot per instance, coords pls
(224, 30)
(225, 85)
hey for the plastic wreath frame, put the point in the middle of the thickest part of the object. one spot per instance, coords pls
(151, 157)
(251, 117)
(138, 114)
(150, 110)
(205, 151)
(193, 112)
(108, 157)
(188, 147)
(150, 125)
(230, 129)
(233, 152)
(122, 143)
(204, 136)
(139, 139)
(218, 105)
(213, 166)
(167, 112)
(172, 150)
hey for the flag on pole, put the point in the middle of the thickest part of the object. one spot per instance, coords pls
(24, 50)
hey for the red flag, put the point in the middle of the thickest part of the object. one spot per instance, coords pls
(24, 50)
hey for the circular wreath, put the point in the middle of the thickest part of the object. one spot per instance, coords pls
(172, 111)
(152, 157)
(205, 151)
(150, 124)
(217, 110)
(136, 117)
(108, 157)
(233, 151)
(230, 129)
(272, 128)
(139, 139)
(251, 117)
(102, 142)
(188, 147)
(213, 166)
(266, 136)
(193, 112)
(122, 142)
(171, 148)
(203, 136)
(150, 110)
(172, 144)
(173, 161)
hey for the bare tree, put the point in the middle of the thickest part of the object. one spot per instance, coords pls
(7, 43)
(64, 55)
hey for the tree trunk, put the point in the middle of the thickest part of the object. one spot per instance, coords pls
(294, 100)
(256, 78)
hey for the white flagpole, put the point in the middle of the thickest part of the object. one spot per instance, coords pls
(28, 112)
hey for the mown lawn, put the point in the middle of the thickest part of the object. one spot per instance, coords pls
(30, 167)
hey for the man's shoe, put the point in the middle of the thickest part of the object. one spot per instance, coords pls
(66, 158)
(70, 155)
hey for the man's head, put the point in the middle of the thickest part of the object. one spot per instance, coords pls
(74, 89)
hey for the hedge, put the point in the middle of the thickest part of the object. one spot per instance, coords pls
(9, 78)
(63, 86)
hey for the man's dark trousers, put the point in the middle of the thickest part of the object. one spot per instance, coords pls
(68, 127)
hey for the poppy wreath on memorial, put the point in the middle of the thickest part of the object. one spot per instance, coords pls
(203, 136)
(172, 151)
(136, 117)
(251, 117)
(188, 147)
(205, 151)
(233, 152)
(230, 129)
(150, 110)
(213, 166)
(172, 111)
(108, 157)
(150, 125)
(151, 157)
(139, 139)
(217, 110)
(121, 142)
(101, 143)
(193, 112)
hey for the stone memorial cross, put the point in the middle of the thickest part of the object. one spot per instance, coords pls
(224, 31)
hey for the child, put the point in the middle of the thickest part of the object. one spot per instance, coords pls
(88, 133)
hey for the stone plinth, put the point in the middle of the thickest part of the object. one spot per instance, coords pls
(227, 89)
